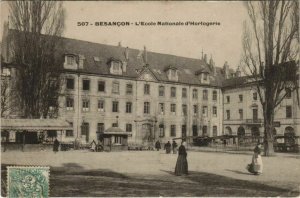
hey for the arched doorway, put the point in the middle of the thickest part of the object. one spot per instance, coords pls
(228, 131)
(241, 131)
(290, 133)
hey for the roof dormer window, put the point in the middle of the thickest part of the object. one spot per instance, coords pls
(70, 61)
(115, 66)
(172, 73)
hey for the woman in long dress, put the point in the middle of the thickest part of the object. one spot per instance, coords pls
(181, 164)
(256, 166)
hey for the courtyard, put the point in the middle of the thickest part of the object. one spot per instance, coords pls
(150, 173)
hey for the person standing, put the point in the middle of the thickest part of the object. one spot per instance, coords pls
(256, 166)
(174, 147)
(157, 145)
(168, 147)
(55, 145)
(181, 164)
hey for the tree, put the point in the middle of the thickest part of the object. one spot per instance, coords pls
(8, 100)
(270, 49)
(37, 27)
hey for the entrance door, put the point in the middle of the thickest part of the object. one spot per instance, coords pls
(147, 135)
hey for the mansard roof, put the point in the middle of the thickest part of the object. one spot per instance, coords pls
(186, 67)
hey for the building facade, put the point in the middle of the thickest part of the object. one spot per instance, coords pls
(154, 96)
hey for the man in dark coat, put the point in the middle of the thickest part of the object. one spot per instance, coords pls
(55, 145)
(174, 147)
(157, 145)
(168, 147)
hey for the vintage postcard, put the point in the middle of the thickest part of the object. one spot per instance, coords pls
(150, 98)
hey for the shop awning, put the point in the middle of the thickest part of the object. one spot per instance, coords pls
(115, 131)
(35, 124)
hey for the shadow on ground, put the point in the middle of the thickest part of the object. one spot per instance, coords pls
(72, 180)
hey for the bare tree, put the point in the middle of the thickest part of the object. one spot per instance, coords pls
(270, 49)
(37, 27)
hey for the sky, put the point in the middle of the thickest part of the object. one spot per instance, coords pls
(222, 42)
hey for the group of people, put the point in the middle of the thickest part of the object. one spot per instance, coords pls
(181, 168)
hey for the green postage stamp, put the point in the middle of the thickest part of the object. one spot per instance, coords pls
(23, 181)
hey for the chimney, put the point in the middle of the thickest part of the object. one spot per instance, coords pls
(226, 69)
(127, 53)
(119, 44)
(238, 72)
(205, 58)
(145, 55)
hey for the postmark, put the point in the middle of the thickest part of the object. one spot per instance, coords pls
(28, 181)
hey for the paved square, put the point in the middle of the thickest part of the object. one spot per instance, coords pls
(151, 173)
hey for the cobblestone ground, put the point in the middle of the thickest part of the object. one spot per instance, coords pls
(150, 173)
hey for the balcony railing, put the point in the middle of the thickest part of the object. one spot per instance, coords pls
(254, 121)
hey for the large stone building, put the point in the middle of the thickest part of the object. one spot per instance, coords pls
(154, 96)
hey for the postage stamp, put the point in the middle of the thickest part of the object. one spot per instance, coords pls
(28, 181)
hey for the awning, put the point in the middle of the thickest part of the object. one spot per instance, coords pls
(115, 131)
(35, 124)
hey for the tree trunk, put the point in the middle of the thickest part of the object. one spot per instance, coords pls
(268, 136)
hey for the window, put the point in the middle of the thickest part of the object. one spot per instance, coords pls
(240, 98)
(86, 85)
(228, 99)
(101, 86)
(69, 103)
(255, 96)
(173, 109)
(161, 130)
(114, 125)
(215, 112)
(161, 91)
(128, 127)
(85, 128)
(288, 93)
(146, 89)
(115, 106)
(204, 111)
(70, 83)
(70, 133)
(85, 105)
(129, 89)
(100, 127)
(241, 114)
(146, 107)
(101, 105)
(255, 114)
(128, 107)
(288, 111)
(195, 94)
(195, 109)
(184, 110)
(215, 131)
(215, 95)
(184, 94)
(205, 94)
(161, 108)
(173, 92)
(195, 130)
(70, 60)
(116, 87)
(118, 140)
(204, 76)
(173, 130)
(228, 114)
(183, 131)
